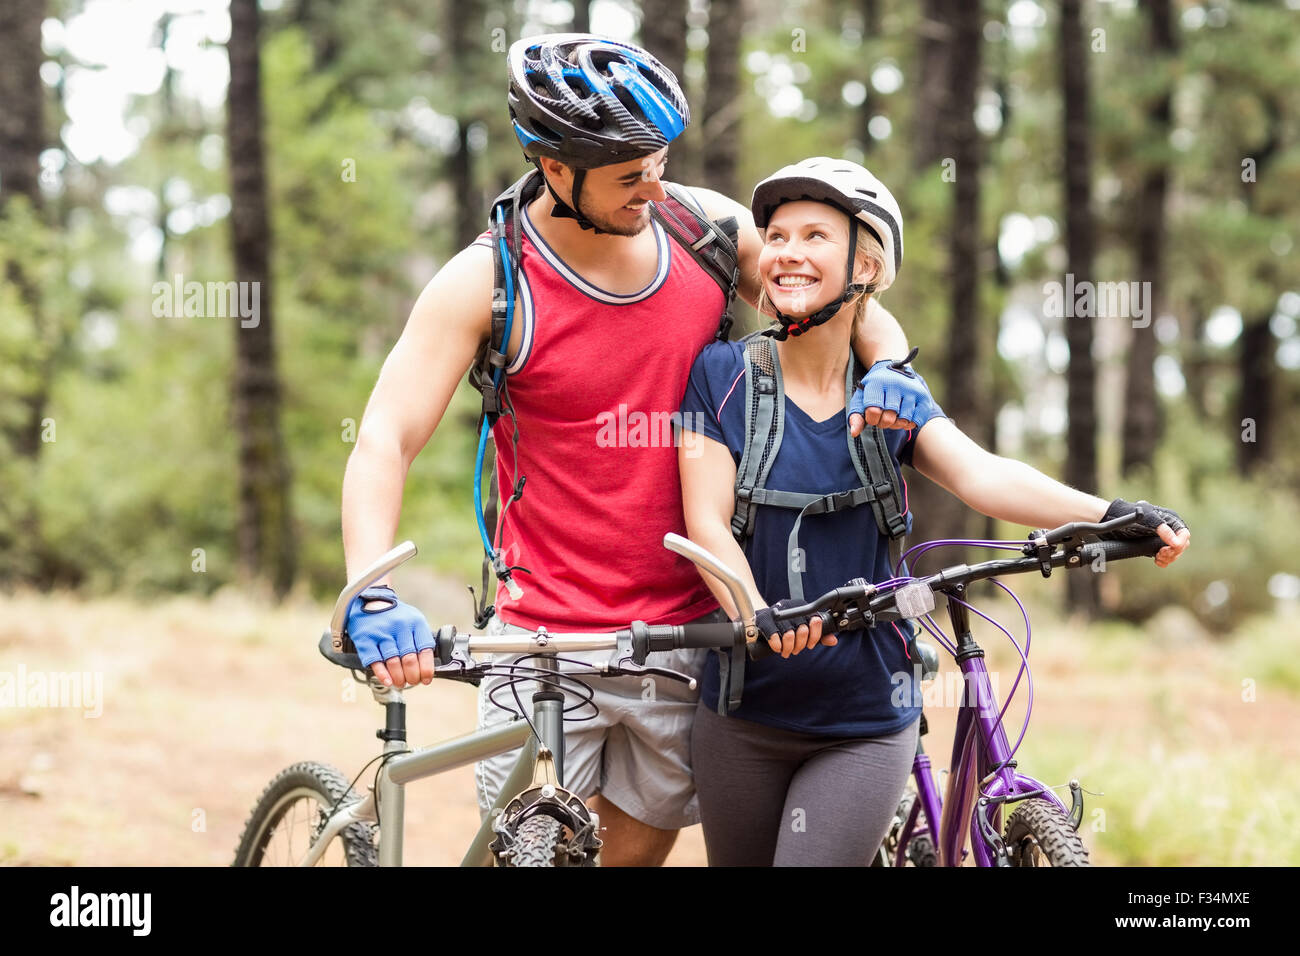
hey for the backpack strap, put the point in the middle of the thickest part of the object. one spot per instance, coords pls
(764, 430)
(488, 377)
(504, 226)
(875, 468)
(712, 244)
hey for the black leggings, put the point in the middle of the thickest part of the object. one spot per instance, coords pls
(771, 797)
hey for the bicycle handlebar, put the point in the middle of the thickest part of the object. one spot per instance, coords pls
(857, 604)
(854, 606)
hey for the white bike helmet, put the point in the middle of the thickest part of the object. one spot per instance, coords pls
(861, 196)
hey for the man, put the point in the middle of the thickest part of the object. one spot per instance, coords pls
(609, 318)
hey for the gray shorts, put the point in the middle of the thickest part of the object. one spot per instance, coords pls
(636, 752)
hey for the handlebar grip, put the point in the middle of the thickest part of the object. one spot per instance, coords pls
(709, 635)
(761, 649)
(1117, 550)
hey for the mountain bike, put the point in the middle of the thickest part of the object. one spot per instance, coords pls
(309, 813)
(982, 777)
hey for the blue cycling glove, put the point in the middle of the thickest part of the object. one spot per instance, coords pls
(894, 385)
(386, 632)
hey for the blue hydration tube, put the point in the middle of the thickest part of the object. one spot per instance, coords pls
(497, 564)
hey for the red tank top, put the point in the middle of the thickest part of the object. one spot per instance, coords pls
(596, 387)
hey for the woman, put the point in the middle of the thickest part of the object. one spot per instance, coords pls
(809, 768)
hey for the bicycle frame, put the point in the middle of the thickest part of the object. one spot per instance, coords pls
(981, 775)
(544, 748)
(428, 761)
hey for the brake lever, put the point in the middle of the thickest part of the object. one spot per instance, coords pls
(619, 668)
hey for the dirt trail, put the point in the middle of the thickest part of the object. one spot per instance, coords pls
(204, 701)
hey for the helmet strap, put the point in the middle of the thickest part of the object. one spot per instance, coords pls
(796, 327)
(562, 209)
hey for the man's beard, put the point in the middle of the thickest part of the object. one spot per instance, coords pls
(615, 228)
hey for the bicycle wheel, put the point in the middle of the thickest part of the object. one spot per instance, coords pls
(536, 843)
(289, 814)
(920, 848)
(921, 851)
(1039, 834)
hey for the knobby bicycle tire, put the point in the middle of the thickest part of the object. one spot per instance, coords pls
(921, 851)
(303, 781)
(536, 842)
(1037, 829)
(920, 848)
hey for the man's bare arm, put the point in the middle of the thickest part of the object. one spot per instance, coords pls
(448, 323)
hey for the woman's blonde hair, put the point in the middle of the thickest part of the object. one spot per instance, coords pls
(868, 250)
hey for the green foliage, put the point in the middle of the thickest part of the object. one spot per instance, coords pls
(143, 469)
(1239, 535)
(33, 332)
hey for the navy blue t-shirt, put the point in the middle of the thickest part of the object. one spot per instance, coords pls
(865, 685)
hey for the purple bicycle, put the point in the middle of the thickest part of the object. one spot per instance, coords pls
(983, 779)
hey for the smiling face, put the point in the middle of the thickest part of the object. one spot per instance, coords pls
(803, 256)
(615, 198)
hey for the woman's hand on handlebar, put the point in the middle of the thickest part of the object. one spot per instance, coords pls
(1166, 523)
(1177, 544)
(795, 639)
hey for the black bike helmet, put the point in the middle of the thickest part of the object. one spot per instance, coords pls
(588, 101)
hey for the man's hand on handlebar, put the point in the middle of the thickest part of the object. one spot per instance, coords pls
(392, 638)
(795, 639)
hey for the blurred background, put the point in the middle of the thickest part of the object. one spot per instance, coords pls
(176, 471)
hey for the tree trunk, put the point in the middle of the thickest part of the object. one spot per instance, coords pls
(870, 13)
(964, 368)
(167, 135)
(22, 98)
(22, 135)
(953, 43)
(935, 32)
(1081, 376)
(265, 530)
(722, 99)
(1255, 400)
(1141, 429)
(581, 16)
(663, 34)
(464, 18)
